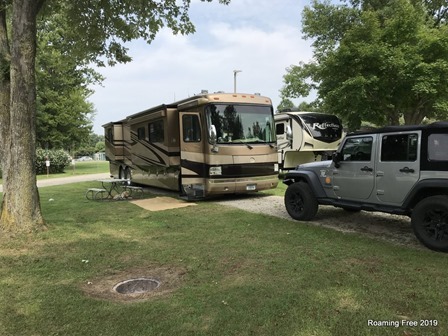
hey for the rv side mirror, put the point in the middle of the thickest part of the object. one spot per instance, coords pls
(288, 132)
(212, 134)
(337, 158)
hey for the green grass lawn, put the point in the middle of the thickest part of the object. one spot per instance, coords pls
(81, 168)
(239, 273)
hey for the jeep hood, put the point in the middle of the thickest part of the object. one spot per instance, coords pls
(316, 164)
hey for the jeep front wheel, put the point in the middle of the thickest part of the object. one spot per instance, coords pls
(300, 201)
(430, 222)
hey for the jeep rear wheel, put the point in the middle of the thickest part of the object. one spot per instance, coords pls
(300, 201)
(430, 222)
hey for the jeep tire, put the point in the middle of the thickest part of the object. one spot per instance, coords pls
(430, 222)
(300, 201)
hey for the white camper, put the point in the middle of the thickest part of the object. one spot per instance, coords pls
(306, 137)
(209, 144)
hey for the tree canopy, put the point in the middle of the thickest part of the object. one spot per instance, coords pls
(377, 61)
(287, 104)
(64, 116)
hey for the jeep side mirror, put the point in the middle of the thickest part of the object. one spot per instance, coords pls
(337, 158)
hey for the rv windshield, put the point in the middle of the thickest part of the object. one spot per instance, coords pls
(241, 123)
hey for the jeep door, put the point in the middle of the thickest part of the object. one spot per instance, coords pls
(354, 179)
(398, 166)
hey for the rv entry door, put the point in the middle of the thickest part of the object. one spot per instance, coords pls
(192, 158)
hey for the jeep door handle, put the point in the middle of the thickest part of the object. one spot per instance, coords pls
(407, 170)
(368, 169)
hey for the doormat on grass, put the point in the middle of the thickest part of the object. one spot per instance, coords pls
(161, 203)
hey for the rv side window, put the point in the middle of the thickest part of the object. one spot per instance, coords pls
(156, 131)
(280, 129)
(110, 134)
(191, 128)
(141, 133)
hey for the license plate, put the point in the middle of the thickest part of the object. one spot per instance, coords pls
(251, 187)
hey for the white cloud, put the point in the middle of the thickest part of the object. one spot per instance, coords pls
(249, 35)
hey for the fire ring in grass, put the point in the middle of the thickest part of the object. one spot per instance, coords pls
(136, 286)
(159, 281)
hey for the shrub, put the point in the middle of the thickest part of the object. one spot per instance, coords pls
(59, 159)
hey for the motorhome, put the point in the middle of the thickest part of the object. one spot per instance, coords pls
(304, 137)
(206, 145)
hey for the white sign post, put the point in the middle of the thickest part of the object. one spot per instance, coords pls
(47, 163)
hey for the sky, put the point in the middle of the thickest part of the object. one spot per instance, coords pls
(259, 37)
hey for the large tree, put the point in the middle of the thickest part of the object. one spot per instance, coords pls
(374, 60)
(97, 32)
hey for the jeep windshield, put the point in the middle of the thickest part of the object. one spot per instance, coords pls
(241, 123)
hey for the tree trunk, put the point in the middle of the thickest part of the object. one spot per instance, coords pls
(21, 210)
(394, 118)
(5, 81)
(414, 117)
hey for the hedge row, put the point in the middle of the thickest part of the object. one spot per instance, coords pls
(59, 159)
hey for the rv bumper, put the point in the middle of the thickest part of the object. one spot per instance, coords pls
(241, 185)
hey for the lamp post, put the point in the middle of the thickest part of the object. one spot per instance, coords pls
(234, 79)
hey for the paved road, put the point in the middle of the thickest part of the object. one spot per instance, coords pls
(46, 182)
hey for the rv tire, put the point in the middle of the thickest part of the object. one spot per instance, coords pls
(127, 175)
(181, 189)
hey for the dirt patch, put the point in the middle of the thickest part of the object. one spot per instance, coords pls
(162, 203)
(377, 225)
(170, 279)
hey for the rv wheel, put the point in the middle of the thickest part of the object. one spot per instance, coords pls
(127, 175)
(182, 191)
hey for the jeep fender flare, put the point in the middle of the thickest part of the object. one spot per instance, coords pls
(423, 189)
(309, 177)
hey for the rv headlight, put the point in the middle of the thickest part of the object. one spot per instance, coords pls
(215, 171)
(276, 167)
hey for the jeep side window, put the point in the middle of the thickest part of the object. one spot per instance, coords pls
(357, 149)
(399, 147)
(438, 147)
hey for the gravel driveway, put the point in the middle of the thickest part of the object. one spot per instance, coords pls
(377, 225)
